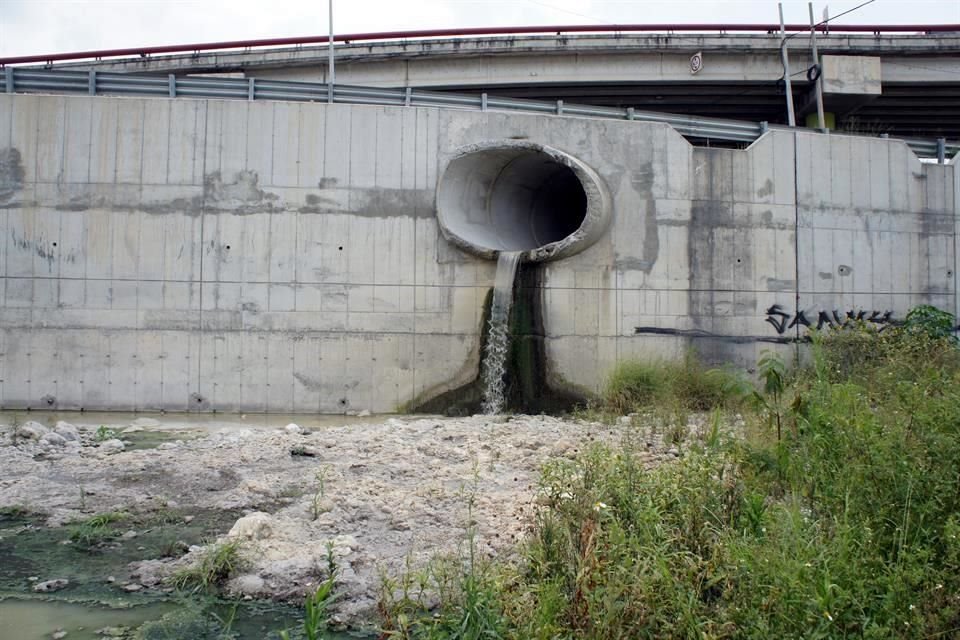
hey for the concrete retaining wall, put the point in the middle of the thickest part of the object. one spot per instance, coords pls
(226, 255)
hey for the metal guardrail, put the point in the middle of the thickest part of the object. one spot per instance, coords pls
(173, 86)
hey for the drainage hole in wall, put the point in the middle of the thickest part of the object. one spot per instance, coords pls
(339, 248)
(54, 244)
(228, 247)
(343, 402)
(738, 260)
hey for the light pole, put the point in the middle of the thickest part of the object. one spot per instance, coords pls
(330, 72)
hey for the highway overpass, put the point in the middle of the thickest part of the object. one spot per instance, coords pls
(742, 75)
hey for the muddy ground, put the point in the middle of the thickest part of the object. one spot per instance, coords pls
(379, 496)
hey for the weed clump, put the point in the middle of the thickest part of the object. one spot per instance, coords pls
(636, 385)
(96, 530)
(219, 562)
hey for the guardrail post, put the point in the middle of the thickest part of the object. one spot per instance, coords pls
(631, 113)
(408, 98)
(885, 135)
(764, 127)
(172, 85)
(251, 92)
(8, 79)
(330, 92)
(92, 83)
(941, 150)
(483, 102)
(559, 107)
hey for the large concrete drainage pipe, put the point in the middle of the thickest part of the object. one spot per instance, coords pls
(521, 196)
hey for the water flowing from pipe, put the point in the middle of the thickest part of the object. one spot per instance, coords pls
(498, 336)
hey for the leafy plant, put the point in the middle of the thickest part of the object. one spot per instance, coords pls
(931, 321)
(104, 433)
(773, 374)
(317, 604)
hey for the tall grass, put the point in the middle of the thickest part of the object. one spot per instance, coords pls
(636, 385)
(846, 524)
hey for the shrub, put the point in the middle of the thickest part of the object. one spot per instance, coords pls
(931, 321)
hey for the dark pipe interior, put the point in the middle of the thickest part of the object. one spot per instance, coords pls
(511, 199)
(535, 201)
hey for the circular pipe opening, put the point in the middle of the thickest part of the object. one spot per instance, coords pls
(519, 196)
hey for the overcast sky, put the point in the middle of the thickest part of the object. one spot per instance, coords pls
(50, 26)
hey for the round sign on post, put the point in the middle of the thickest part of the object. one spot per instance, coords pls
(696, 62)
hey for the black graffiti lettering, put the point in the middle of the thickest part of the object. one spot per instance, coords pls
(777, 317)
(800, 318)
(834, 319)
(824, 319)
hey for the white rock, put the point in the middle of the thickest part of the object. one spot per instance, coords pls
(54, 439)
(249, 585)
(293, 428)
(364, 414)
(59, 634)
(132, 587)
(67, 430)
(256, 526)
(112, 446)
(166, 446)
(32, 430)
(51, 585)
(133, 429)
(145, 422)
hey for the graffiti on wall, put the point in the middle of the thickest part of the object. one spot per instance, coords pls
(782, 320)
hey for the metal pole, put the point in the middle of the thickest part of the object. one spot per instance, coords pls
(785, 60)
(331, 78)
(816, 61)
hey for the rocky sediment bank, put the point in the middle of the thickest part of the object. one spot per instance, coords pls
(373, 498)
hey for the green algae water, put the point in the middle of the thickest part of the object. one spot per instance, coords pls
(36, 619)
(40, 619)
(94, 599)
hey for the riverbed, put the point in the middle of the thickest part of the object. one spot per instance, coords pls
(302, 495)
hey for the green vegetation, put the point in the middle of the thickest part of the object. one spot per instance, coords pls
(468, 589)
(96, 530)
(13, 512)
(104, 433)
(834, 514)
(317, 604)
(219, 562)
(685, 384)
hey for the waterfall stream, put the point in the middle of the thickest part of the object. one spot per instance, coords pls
(498, 335)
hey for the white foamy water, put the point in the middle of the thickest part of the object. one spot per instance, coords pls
(498, 336)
